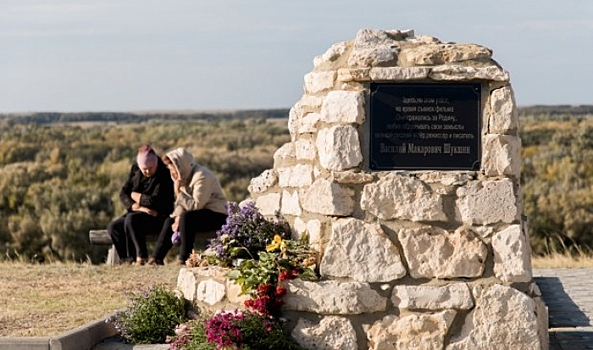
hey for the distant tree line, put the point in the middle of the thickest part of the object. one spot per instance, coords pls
(41, 118)
(60, 173)
(556, 110)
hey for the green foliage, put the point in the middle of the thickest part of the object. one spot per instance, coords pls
(151, 316)
(60, 174)
(557, 182)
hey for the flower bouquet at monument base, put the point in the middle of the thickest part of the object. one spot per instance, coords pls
(260, 255)
(245, 233)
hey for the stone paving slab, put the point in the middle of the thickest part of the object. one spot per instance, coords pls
(116, 344)
(568, 293)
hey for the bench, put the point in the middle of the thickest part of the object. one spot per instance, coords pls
(102, 237)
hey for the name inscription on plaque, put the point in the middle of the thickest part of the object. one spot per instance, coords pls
(425, 126)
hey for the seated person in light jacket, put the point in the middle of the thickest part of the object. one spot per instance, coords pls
(200, 205)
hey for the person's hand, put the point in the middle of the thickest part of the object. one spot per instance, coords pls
(177, 186)
(136, 196)
(175, 224)
(150, 212)
(138, 207)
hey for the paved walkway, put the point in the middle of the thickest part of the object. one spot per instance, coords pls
(568, 293)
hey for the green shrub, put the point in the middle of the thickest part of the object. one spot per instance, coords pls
(151, 316)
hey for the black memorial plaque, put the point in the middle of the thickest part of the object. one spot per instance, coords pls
(418, 126)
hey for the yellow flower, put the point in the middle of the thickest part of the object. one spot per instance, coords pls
(276, 243)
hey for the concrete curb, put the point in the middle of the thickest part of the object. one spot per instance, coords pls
(82, 338)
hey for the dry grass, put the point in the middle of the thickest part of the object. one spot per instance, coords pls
(559, 260)
(47, 300)
(50, 299)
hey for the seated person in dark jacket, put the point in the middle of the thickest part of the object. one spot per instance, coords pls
(148, 197)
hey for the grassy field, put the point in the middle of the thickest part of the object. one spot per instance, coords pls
(47, 300)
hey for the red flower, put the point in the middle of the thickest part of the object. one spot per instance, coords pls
(280, 291)
(285, 275)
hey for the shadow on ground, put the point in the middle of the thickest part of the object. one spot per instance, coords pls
(570, 328)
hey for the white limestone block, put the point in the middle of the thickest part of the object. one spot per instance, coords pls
(400, 34)
(362, 252)
(501, 155)
(541, 310)
(332, 297)
(302, 123)
(313, 230)
(233, 293)
(416, 331)
(450, 296)
(186, 284)
(333, 54)
(512, 260)
(328, 198)
(268, 204)
(351, 177)
(305, 149)
(373, 48)
(304, 115)
(263, 182)
(332, 333)
(310, 103)
(446, 178)
(294, 118)
(308, 124)
(339, 148)
(399, 73)
(436, 54)
(290, 203)
(464, 73)
(210, 292)
(424, 39)
(284, 155)
(299, 175)
(353, 74)
(504, 318)
(401, 197)
(362, 57)
(432, 252)
(487, 202)
(316, 82)
(369, 38)
(504, 118)
(343, 107)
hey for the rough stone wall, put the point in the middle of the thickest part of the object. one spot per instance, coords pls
(411, 259)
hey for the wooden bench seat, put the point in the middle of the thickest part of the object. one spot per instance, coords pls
(102, 237)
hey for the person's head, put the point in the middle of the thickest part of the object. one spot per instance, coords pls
(180, 162)
(147, 160)
(169, 163)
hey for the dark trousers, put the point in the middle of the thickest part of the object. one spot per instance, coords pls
(129, 232)
(190, 224)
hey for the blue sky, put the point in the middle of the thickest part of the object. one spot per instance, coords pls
(124, 55)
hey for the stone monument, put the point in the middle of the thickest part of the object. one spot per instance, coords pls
(403, 168)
